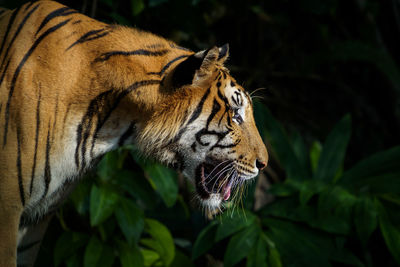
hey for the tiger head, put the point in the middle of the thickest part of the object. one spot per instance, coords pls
(217, 143)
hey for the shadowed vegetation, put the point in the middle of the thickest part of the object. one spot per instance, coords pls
(329, 114)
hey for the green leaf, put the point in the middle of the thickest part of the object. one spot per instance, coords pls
(231, 223)
(258, 256)
(80, 196)
(181, 260)
(377, 173)
(301, 152)
(346, 257)
(205, 240)
(241, 244)
(67, 244)
(273, 130)
(284, 189)
(334, 210)
(274, 258)
(380, 163)
(98, 254)
(108, 165)
(161, 236)
(130, 219)
(74, 261)
(315, 153)
(365, 219)
(102, 203)
(149, 257)
(165, 182)
(390, 233)
(130, 256)
(299, 246)
(137, 186)
(334, 150)
(93, 252)
(137, 6)
(394, 198)
(308, 189)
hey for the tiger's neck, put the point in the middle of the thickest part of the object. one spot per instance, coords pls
(128, 72)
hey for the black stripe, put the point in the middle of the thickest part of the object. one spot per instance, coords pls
(102, 106)
(18, 70)
(199, 107)
(28, 5)
(19, 168)
(227, 107)
(76, 22)
(65, 119)
(84, 128)
(10, 23)
(234, 100)
(167, 66)
(238, 98)
(28, 246)
(222, 117)
(139, 52)
(223, 98)
(194, 116)
(220, 135)
(17, 32)
(78, 143)
(4, 72)
(36, 142)
(89, 36)
(47, 170)
(127, 134)
(154, 46)
(64, 11)
(179, 47)
(193, 146)
(224, 146)
(112, 105)
(215, 109)
(2, 11)
(55, 118)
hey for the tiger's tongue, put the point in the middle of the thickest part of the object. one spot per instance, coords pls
(226, 190)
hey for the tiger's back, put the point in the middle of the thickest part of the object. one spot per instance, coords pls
(73, 88)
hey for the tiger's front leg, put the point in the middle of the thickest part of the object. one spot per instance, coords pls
(9, 222)
(30, 238)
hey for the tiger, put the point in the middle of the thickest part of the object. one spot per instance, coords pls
(73, 88)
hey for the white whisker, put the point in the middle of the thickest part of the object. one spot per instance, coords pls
(223, 169)
(256, 90)
(216, 167)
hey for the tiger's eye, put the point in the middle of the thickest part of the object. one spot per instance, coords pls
(237, 116)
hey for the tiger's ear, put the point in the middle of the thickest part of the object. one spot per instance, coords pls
(199, 67)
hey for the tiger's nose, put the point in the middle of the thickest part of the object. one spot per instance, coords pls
(260, 164)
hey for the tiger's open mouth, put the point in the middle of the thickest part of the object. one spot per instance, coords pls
(215, 178)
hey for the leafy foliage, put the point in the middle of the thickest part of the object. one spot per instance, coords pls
(333, 203)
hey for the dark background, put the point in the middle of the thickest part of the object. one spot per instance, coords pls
(317, 61)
